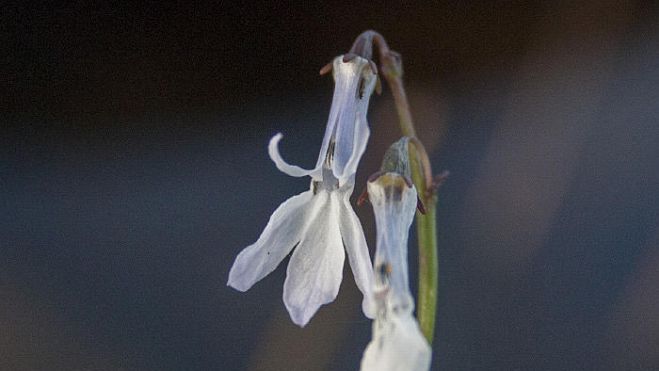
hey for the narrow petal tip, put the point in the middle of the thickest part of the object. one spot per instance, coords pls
(369, 307)
(236, 286)
(283, 166)
(300, 317)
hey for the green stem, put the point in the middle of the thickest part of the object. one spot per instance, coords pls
(426, 225)
(427, 237)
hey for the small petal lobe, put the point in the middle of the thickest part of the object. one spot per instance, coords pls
(283, 166)
(283, 231)
(315, 269)
(358, 256)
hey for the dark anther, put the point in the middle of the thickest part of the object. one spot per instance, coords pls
(360, 89)
(329, 157)
(384, 269)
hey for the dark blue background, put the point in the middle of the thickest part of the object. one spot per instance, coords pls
(134, 168)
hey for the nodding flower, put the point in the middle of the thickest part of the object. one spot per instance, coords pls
(320, 223)
(397, 343)
(347, 130)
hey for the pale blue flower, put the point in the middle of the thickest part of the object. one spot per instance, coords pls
(320, 223)
(397, 342)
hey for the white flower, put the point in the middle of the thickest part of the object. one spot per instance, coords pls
(397, 343)
(347, 130)
(319, 223)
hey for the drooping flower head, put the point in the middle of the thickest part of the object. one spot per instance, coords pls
(320, 223)
(347, 130)
(397, 343)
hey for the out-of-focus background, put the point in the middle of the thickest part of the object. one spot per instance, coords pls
(133, 169)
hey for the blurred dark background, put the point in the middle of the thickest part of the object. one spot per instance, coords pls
(134, 168)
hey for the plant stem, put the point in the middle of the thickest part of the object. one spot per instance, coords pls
(427, 238)
(426, 225)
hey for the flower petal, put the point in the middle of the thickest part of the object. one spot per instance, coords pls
(397, 345)
(283, 231)
(283, 166)
(331, 123)
(315, 270)
(358, 256)
(355, 82)
(394, 204)
(361, 135)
